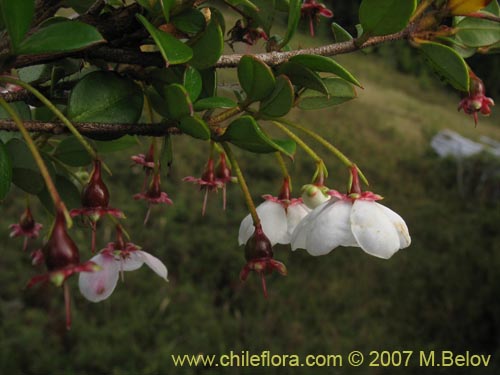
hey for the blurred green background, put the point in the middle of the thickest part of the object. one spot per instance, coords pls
(442, 293)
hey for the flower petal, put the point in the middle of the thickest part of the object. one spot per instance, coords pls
(399, 224)
(330, 229)
(373, 230)
(155, 264)
(133, 261)
(97, 286)
(273, 220)
(299, 235)
(294, 215)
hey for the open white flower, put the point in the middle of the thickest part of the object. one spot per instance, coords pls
(278, 219)
(352, 220)
(99, 285)
(378, 230)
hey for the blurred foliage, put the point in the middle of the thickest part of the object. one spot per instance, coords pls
(439, 294)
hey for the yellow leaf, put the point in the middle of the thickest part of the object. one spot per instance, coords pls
(464, 7)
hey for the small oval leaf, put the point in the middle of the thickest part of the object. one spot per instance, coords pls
(382, 17)
(213, 103)
(293, 20)
(245, 133)
(192, 82)
(302, 76)
(195, 127)
(172, 49)
(178, 103)
(208, 48)
(447, 63)
(475, 32)
(105, 97)
(190, 21)
(326, 65)
(256, 78)
(280, 102)
(340, 34)
(340, 92)
(64, 36)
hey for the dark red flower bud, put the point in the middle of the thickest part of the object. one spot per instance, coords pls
(27, 222)
(258, 246)
(60, 251)
(95, 194)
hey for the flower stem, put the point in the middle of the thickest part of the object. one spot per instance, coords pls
(67, 304)
(334, 150)
(243, 184)
(420, 9)
(284, 169)
(58, 113)
(299, 141)
(54, 194)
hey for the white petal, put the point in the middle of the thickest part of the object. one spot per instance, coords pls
(294, 215)
(299, 234)
(132, 262)
(330, 229)
(97, 286)
(373, 230)
(155, 264)
(273, 219)
(246, 230)
(399, 224)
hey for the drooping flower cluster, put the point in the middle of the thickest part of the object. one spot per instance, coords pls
(353, 219)
(26, 227)
(116, 257)
(243, 32)
(95, 201)
(311, 9)
(211, 180)
(476, 101)
(279, 216)
(154, 195)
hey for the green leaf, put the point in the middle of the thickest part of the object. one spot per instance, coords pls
(71, 152)
(69, 193)
(105, 97)
(192, 21)
(340, 34)
(382, 17)
(22, 109)
(243, 2)
(25, 173)
(302, 76)
(213, 103)
(172, 49)
(475, 32)
(447, 63)
(5, 171)
(178, 103)
(256, 78)
(208, 48)
(195, 127)
(62, 36)
(245, 133)
(209, 78)
(261, 13)
(280, 102)
(492, 8)
(17, 16)
(192, 82)
(166, 6)
(325, 64)
(340, 92)
(293, 20)
(121, 144)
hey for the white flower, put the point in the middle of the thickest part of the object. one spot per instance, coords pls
(97, 286)
(359, 222)
(278, 218)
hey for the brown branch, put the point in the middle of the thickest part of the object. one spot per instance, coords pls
(136, 57)
(94, 128)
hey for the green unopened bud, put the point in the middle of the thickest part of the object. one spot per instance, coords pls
(314, 195)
